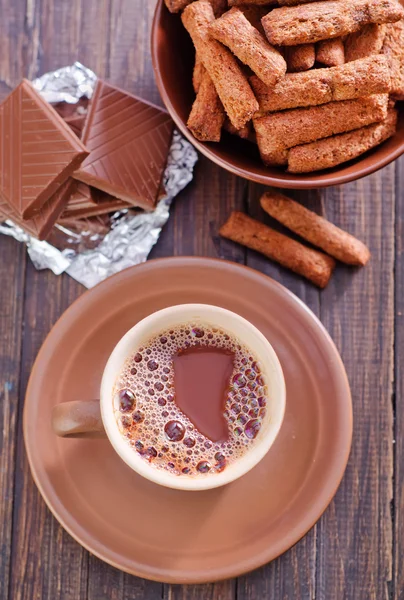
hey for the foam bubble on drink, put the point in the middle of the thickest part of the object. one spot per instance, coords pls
(155, 427)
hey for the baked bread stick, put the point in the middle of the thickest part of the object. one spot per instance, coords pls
(300, 58)
(229, 80)
(319, 86)
(308, 23)
(393, 49)
(252, 3)
(197, 74)
(366, 42)
(315, 229)
(334, 151)
(235, 31)
(175, 6)
(277, 132)
(331, 52)
(314, 265)
(207, 114)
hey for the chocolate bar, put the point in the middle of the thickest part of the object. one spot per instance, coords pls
(129, 141)
(38, 151)
(90, 202)
(41, 225)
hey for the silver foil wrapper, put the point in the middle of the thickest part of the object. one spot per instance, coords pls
(87, 256)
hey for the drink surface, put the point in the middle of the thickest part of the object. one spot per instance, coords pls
(191, 400)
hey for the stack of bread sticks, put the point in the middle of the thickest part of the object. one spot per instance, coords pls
(314, 84)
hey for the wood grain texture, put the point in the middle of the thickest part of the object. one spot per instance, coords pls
(397, 505)
(292, 575)
(355, 534)
(356, 551)
(12, 267)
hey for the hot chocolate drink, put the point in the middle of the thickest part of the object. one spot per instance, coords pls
(191, 400)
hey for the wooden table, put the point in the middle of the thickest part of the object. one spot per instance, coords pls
(356, 550)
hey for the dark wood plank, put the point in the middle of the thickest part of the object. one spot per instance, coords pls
(198, 213)
(397, 506)
(293, 574)
(355, 534)
(44, 555)
(16, 60)
(12, 267)
(223, 590)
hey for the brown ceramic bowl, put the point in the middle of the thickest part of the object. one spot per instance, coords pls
(173, 59)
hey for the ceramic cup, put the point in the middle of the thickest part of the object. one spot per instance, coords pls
(95, 418)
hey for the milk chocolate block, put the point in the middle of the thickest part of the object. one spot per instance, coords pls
(41, 225)
(309, 23)
(89, 202)
(129, 141)
(38, 151)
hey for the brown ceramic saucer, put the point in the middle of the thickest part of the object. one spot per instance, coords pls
(169, 535)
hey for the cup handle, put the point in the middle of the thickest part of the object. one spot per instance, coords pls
(78, 419)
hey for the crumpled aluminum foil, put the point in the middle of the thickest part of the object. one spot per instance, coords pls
(132, 233)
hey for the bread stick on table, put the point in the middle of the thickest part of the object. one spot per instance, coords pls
(333, 151)
(315, 229)
(314, 265)
(309, 23)
(319, 86)
(229, 80)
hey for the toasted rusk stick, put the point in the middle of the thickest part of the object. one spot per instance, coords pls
(334, 151)
(314, 265)
(230, 82)
(292, 25)
(315, 229)
(300, 58)
(277, 132)
(197, 74)
(244, 133)
(294, 2)
(319, 86)
(366, 42)
(207, 114)
(331, 52)
(176, 5)
(393, 49)
(252, 2)
(235, 31)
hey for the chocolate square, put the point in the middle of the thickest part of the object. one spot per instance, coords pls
(129, 141)
(38, 151)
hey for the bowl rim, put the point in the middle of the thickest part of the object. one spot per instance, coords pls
(310, 182)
